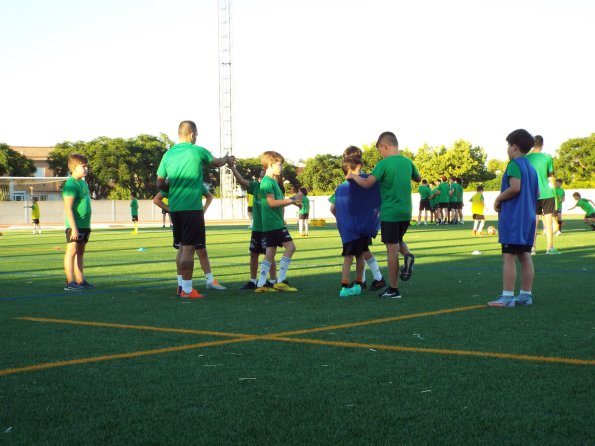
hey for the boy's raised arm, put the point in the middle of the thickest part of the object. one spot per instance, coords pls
(366, 183)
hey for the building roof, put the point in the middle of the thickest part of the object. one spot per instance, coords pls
(33, 153)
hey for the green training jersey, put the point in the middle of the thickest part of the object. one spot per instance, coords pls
(434, 201)
(424, 192)
(394, 174)
(182, 165)
(81, 206)
(458, 192)
(254, 191)
(585, 206)
(134, 207)
(559, 192)
(305, 209)
(443, 188)
(544, 166)
(272, 218)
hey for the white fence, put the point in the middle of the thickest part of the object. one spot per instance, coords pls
(14, 213)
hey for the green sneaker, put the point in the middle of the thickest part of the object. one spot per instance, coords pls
(552, 252)
(345, 292)
(356, 290)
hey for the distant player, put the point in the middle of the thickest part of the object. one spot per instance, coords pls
(544, 165)
(77, 207)
(275, 233)
(516, 207)
(443, 201)
(304, 213)
(250, 200)
(424, 201)
(586, 205)
(560, 196)
(256, 247)
(478, 208)
(434, 201)
(164, 212)
(459, 198)
(394, 174)
(134, 212)
(35, 215)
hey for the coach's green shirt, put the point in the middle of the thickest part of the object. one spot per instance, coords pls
(254, 190)
(182, 165)
(424, 192)
(272, 218)
(443, 188)
(544, 166)
(394, 173)
(81, 207)
(134, 207)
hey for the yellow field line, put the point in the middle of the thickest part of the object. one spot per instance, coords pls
(49, 365)
(376, 321)
(397, 348)
(133, 327)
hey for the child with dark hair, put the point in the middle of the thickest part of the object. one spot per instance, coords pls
(424, 201)
(560, 196)
(516, 206)
(304, 213)
(586, 205)
(478, 208)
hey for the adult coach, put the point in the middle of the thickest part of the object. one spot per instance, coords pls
(182, 166)
(546, 204)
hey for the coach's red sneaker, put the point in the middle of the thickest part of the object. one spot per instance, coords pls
(191, 295)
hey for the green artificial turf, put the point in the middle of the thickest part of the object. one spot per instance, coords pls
(476, 376)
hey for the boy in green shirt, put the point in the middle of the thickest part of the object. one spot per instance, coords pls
(35, 215)
(424, 201)
(275, 233)
(394, 173)
(134, 212)
(586, 205)
(304, 213)
(77, 208)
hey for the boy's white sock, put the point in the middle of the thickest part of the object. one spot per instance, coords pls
(187, 286)
(481, 223)
(265, 266)
(253, 281)
(301, 226)
(508, 293)
(373, 264)
(475, 225)
(179, 280)
(209, 277)
(305, 227)
(526, 292)
(283, 267)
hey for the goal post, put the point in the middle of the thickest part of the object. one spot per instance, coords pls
(25, 188)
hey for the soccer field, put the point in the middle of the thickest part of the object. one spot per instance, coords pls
(129, 362)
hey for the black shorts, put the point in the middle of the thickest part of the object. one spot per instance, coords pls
(393, 231)
(478, 217)
(163, 211)
(304, 216)
(249, 208)
(36, 221)
(83, 235)
(424, 204)
(356, 247)
(458, 205)
(443, 205)
(515, 249)
(590, 216)
(256, 244)
(189, 228)
(275, 238)
(546, 206)
(135, 218)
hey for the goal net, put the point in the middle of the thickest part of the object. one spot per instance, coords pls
(25, 188)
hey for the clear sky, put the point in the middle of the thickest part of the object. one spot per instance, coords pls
(310, 76)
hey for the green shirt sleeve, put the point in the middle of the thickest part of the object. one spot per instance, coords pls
(513, 170)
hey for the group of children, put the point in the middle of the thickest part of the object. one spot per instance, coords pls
(442, 199)
(363, 204)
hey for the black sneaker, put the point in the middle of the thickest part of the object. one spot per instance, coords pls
(378, 284)
(407, 268)
(86, 285)
(248, 286)
(391, 293)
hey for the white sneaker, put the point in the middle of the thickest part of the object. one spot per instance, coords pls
(34, 232)
(558, 233)
(214, 285)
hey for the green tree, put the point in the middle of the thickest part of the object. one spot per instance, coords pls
(13, 164)
(576, 162)
(430, 161)
(323, 173)
(467, 161)
(370, 157)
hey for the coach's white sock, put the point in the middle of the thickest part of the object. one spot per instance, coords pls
(265, 266)
(187, 286)
(373, 264)
(283, 267)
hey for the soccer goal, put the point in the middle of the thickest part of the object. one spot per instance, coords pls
(25, 188)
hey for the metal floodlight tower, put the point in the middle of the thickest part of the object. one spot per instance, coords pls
(227, 180)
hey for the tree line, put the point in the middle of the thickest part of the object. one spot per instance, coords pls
(121, 166)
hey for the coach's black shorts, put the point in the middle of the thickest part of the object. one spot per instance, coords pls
(478, 217)
(507, 248)
(84, 234)
(189, 228)
(443, 205)
(304, 216)
(393, 231)
(256, 244)
(546, 206)
(424, 204)
(275, 238)
(356, 247)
